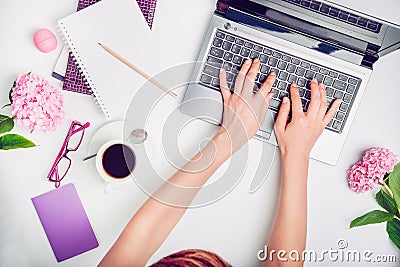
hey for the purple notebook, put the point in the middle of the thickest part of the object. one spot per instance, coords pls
(65, 222)
(74, 81)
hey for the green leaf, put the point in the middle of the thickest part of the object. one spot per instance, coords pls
(394, 183)
(6, 124)
(393, 229)
(13, 141)
(386, 202)
(375, 216)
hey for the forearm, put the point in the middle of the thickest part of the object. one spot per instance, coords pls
(153, 222)
(290, 227)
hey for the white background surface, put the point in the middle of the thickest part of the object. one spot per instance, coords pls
(235, 227)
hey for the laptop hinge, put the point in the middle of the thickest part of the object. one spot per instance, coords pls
(370, 56)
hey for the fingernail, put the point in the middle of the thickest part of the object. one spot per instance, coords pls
(247, 62)
(272, 73)
(314, 80)
(285, 100)
(222, 70)
(270, 95)
(294, 85)
(256, 60)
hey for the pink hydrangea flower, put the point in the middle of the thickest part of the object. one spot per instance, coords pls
(375, 164)
(36, 105)
(378, 162)
(358, 178)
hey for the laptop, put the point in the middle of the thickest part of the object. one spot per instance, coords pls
(298, 40)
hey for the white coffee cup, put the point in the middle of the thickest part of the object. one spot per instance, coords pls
(115, 162)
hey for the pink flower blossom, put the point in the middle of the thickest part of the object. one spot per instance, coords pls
(36, 105)
(375, 164)
(358, 178)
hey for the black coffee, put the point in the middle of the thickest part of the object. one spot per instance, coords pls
(118, 161)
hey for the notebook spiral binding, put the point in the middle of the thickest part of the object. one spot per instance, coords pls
(82, 69)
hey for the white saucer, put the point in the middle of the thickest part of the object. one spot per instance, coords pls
(114, 131)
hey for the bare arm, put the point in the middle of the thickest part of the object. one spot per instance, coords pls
(152, 223)
(296, 140)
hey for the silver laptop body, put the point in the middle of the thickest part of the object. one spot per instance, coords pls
(333, 39)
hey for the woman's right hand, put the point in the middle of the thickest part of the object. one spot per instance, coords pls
(297, 138)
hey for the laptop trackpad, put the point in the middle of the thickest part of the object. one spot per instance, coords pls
(267, 128)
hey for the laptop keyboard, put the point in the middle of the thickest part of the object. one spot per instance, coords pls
(338, 14)
(229, 51)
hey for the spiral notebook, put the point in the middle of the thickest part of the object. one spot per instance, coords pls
(120, 25)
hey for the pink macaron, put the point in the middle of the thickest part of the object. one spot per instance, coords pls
(45, 40)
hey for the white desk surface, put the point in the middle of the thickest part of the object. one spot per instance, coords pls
(234, 227)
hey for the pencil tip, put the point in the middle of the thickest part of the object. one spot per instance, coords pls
(99, 44)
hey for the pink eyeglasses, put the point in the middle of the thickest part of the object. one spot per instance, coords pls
(71, 143)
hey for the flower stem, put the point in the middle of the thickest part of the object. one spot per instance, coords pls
(387, 189)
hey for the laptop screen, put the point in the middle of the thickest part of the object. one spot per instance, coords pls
(337, 27)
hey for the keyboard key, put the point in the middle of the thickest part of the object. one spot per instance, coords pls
(217, 42)
(292, 78)
(216, 52)
(362, 22)
(291, 68)
(282, 65)
(272, 62)
(254, 54)
(307, 95)
(302, 91)
(342, 77)
(286, 58)
(314, 68)
(324, 71)
(306, 3)
(275, 83)
(236, 68)
(340, 116)
(239, 41)
(353, 81)
(220, 35)
(300, 71)
(328, 81)
(333, 74)
(277, 54)
(228, 56)
(245, 52)
(236, 48)
(309, 74)
(315, 5)
(301, 82)
(211, 71)
(334, 12)
(262, 78)
(336, 125)
(329, 91)
(350, 89)
(338, 94)
(343, 107)
(229, 77)
(248, 45)
(215, 62)
(347, 98)
(227, 66)
(329, 101)
(275, 70)
(268, 51)
(283, 94)
(295, 61)
(324, 9)
(205, 79)
(305, 65)
(227, 45)
(264, 69)
(352, 18)
(339, 85)
(319, 77)
(263, 58)
(215, 82)
(372, 26)
(275, 93)
(283, 76)
(303, 102)
(230, 38)
(237, 60)
(258, 48)
(343, 15)
(274, 104)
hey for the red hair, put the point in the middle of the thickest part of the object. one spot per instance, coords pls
(192, 258)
